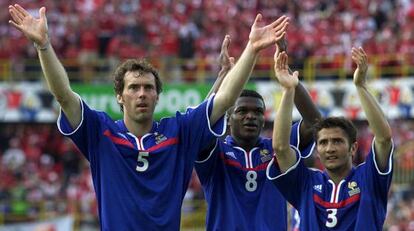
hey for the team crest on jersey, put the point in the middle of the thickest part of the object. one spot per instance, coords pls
(265, 155)
(353, 188)
(159, 138)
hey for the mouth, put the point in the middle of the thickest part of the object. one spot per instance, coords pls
(250, 126)
(142, 106)
(331, 158)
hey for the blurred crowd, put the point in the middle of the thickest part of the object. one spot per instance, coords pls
(116, 29)
(42, 173)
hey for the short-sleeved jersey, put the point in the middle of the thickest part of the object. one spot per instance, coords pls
(140, 182)
(238, 195)
(358, 202)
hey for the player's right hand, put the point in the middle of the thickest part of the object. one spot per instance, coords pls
(226, 62)
(34, 29)
(285, 79)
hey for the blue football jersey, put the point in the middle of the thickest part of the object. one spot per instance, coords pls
(140, 182)
(358, 202)
(238, 195)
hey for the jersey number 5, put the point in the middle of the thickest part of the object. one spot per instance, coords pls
(142, 162)
(332, 219)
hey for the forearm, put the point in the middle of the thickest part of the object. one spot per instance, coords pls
(309, 113)
(223, 72)
(305, 106)
(55, 74)
(281, 131)
(234, 82)
(375, 116)
(283, 121)
(58, 83)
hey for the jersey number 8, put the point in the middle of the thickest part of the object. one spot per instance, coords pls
(251, 183)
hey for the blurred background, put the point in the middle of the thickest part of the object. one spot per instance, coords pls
(45, 183)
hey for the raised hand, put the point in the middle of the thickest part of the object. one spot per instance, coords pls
(262, 37)
(281, 44)
(360, 58)
(34, 29)
(226, 62)
(286, 80)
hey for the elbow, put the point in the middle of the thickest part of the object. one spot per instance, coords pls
(385, 137)
(279, 148)
(63, 97)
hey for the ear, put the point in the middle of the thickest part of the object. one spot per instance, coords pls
(119, 99)
(353, 149)
(158, 98)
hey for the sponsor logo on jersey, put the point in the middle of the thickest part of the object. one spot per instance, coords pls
(265, 155)
(318, 188)
(231, 154)
(159, 138)
(353, 188)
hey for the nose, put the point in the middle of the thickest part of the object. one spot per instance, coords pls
(330, 147)
(141, 92)
(251, 115)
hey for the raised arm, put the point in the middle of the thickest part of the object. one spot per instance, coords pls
(281, 126)
(375, 116)
(226, 63)
(36, 30)
(303, 101)
(259, 38)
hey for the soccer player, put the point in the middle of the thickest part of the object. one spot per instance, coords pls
(140, 168)
(342, 197)
(233, 171)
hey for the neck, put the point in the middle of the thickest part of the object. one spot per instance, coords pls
(339, 174)
(138, 128)
(246, 144)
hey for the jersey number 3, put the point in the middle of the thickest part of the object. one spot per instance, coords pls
(142, 161)
(332, 219)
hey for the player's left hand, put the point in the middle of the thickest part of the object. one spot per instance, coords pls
(360, 58)
(261, 37)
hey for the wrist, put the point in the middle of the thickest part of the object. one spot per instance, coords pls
(360, 85)
(42, 46)
(252, 49)
(289, 89)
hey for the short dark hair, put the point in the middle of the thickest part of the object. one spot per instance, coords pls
(341, 122)
(247, 93)
(252, 93)
(140, 65)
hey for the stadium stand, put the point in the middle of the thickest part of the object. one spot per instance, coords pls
(183, 36)
(43, 175)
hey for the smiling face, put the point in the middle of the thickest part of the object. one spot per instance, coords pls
(139, 96)
(247, 119)
(335, 150)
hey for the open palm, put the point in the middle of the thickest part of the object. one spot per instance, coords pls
(360, 58)
(262, 37)
(34, 29)
(226, 62)
(283, 76)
